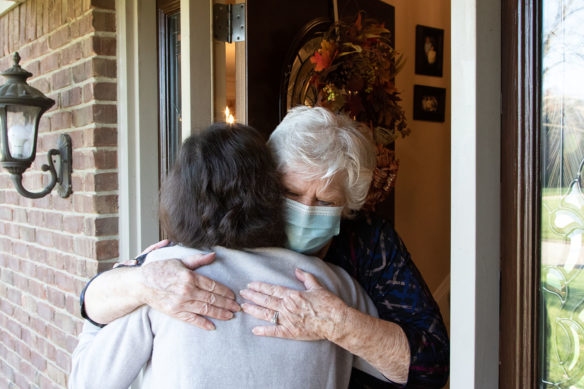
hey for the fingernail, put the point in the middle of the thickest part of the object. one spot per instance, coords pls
(257, 331)
(243, 291)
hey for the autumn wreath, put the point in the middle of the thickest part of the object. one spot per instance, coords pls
(354, 71)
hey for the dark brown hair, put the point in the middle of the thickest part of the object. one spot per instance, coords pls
(224, 190)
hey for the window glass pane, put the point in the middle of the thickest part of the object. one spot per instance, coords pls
(562, 212)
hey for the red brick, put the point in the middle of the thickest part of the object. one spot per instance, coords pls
(72, 306)
(84, 246)
(106, 249)
(73, 53)
(45, 311)
(61, 79)
(37, 289)
(105, 91)
(5, 245)
(83, 116)
(63, 360)
(14, 295)
(27, 234)
(20, 249)
(6, 213)
(71, 97)
(83, 203)
(64, 282)
(73, 224)
(30, 21)
(106, 226)
(13, 231)
(104, 4)
(103, 136)
(13, 327)
(54, 15)
(61, 120)
(104, 45)
(38, 361)
(82, 71)
(35, 217)
(105, 182)
(56, 298)
(50, 63)
(104, 21)
(42, 84)
(27, 369)
(106, 204)
(104, 67)
(27, 268)
(59, 203)
(57, 336)
(44, 238)
(105, 113)
(64, 243)
(60, 37)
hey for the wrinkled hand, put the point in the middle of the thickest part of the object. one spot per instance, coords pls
(176, 290)
(313, 314)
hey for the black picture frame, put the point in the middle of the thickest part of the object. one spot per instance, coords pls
(429, 103)
(429, 50)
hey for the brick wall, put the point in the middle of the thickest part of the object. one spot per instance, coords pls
(49, 247)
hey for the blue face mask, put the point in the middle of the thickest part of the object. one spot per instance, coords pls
(310, 228)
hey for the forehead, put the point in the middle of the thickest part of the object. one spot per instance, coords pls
(304, 184)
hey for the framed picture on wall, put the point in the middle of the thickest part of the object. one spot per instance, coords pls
(429, 103)
(429, 50)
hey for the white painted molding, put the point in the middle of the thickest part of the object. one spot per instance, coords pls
(475, 189)
(137, 125)
(196, 65)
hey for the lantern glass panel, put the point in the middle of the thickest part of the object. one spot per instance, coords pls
(20, 123)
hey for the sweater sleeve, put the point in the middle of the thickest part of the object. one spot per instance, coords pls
(371, 251)
(112, 357)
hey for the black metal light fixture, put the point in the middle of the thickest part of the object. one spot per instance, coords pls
(21, 108)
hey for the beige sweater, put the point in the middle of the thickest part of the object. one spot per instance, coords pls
(168, 353)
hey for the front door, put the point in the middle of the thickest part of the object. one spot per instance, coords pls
(542, 284)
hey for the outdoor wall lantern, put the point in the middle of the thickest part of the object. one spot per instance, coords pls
(21, 108)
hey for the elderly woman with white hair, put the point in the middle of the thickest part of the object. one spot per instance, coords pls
(326, 165)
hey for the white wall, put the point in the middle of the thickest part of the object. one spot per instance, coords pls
(422, 196)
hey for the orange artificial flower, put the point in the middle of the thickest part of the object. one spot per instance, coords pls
(323, 58)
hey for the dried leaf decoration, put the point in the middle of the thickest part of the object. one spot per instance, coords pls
(354, 73)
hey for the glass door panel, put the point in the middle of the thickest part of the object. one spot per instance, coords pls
(562, 197)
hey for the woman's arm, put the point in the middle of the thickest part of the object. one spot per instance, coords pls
(169, 286)
(318, 314)
(111, 357)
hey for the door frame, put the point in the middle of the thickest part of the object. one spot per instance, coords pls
(475, 193)
(475, 166)
(520, 186)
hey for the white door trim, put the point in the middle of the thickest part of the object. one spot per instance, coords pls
(137, 125)
(475, 188)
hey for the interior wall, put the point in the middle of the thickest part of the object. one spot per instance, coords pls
(422, 195)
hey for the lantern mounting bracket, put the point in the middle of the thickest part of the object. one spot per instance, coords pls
(61, 174)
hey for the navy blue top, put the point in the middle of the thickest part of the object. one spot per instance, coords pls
(370, 250)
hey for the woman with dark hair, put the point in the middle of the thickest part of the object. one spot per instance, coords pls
(223, 194)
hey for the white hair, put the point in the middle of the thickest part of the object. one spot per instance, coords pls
(322, 144)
